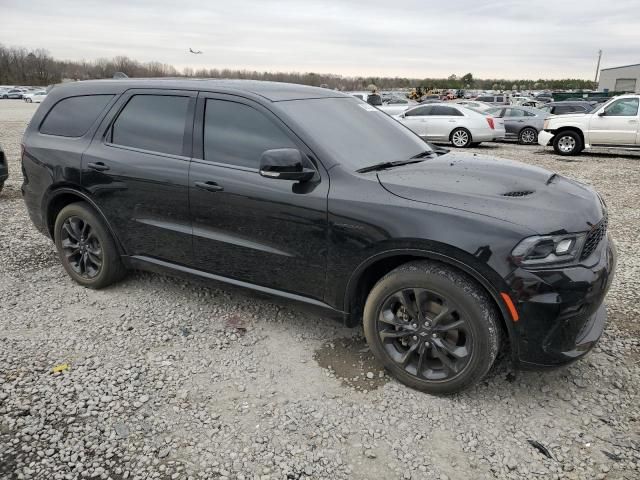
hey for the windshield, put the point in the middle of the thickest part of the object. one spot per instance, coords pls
(354, 133)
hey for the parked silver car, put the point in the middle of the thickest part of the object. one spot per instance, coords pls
(13, 93)
(453, 123)
(521, 123)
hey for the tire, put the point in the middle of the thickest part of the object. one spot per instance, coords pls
(1, 186)
(438, 360)
(567, 143)
(79, 229)
(29, 100)
(461, 138)
(528, 136)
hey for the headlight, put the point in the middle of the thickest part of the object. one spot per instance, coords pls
(548, 249)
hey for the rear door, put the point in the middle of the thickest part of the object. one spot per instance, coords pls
(137, 168)
(259, 230)
(513, 121)
(616, 123)
(443, 119)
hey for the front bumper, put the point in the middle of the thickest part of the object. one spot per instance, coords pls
(545, 137)
(562, 310)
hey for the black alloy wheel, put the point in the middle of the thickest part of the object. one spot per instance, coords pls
(81, 247)
(433, 327)
(86, 248)
(425, 334)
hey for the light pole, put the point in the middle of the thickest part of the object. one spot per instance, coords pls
(598, 66)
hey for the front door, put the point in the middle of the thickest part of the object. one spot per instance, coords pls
(616, 123)
(418, 121)
(259, 230)
(137, 170)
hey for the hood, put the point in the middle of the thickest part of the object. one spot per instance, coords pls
(525, 195)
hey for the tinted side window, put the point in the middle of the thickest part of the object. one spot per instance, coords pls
(447, 111)
(419, 111)
(152, 122)
(73, 116)
(499, 99)
(485, 99)
(237, 134)
(560, 109)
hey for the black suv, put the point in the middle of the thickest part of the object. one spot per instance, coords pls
(4, 168)
(318, 197)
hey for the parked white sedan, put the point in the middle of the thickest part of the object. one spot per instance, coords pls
(34, 97)
(461, 126)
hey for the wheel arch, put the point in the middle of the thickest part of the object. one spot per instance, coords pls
(367, 274)
(461, 128)
(571, 128)
(58, 198)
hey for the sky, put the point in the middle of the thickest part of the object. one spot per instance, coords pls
(412, 38)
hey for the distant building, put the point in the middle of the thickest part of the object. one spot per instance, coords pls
(620, 79)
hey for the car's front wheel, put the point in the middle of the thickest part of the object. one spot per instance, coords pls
(567, 143)
(461, 138)
(528, 136)
(86, 248)
(433, 328)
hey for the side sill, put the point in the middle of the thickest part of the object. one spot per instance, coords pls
(142, 262)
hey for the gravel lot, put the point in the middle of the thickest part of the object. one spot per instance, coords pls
(169, 378)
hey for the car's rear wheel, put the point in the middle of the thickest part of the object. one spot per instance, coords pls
(567, 143)
(528, 136)
(86, 248)
(461, 138)
(434, 328)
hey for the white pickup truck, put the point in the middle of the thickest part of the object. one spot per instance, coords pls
(614, 124)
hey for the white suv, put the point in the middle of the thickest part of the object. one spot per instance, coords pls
(616, 123)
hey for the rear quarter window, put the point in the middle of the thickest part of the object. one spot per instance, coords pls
(72, 117)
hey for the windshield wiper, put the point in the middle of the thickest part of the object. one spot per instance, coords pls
(384, 165)
(426, 153)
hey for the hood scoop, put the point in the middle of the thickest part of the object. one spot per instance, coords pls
(518, 193)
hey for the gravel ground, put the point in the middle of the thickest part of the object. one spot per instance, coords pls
(169, 378)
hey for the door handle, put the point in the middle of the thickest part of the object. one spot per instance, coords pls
(98, 166)
(209, 186)
(520, 121)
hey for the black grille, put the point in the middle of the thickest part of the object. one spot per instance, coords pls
(594, 237)
(522, 193)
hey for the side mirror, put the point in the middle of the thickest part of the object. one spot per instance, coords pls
(402, 115)
(285, 164)
(603, 113)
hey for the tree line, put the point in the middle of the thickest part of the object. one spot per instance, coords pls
(20, 66)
